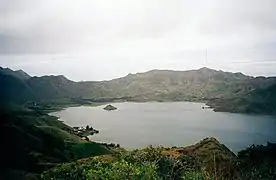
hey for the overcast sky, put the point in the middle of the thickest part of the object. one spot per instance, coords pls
(105, 39)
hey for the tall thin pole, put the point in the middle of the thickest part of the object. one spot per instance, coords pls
(206, 56)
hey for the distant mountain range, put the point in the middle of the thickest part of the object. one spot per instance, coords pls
(224, 91)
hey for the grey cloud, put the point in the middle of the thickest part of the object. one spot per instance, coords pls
(38, 29)
(241, 17)
(136, 36)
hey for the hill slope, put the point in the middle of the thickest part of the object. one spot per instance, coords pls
(258, 101)
(13, 89)
(193, 162)
(20, 74)
(34, 142)
(206, 160)
(184, 85)
(204, 84)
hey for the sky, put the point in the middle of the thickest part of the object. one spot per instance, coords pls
(106, 39)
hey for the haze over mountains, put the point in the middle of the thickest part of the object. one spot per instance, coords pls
(241, 93)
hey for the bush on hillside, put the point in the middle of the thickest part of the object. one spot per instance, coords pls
(148, 163)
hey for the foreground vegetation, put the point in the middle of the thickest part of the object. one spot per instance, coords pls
(206, 160)
(34, 142)
(149, 163)
(38, 146)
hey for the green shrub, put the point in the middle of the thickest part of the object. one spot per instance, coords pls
(65, 172)
(193, 175)
(148, 164)
(123, 170)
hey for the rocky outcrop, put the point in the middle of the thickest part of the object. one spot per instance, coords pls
(215, 157)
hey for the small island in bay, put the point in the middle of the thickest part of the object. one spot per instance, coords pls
(109, 107)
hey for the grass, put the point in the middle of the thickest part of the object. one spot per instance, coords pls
(88, 149)
(59, 133)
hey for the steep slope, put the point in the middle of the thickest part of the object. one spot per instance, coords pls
(34, 142)
(52, 87)
(214, 157)
(13, 89)
(45, 88)
(259, 101)
(207, 159)
(20, 74)
(183, 85)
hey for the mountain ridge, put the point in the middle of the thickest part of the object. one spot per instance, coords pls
(203, 85)
(137, 73)
(18, 73)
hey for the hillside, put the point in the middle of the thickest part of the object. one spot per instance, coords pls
(13, 89)
(34, 142)
(20, 74)
(36, 89)
(258, 101)
(224, 91)
(193, 162)
(167, 85)
(206, 160)
(51, 87)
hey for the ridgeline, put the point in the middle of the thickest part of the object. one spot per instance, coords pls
(223, 91)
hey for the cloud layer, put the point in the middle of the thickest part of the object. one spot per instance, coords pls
(111, 38)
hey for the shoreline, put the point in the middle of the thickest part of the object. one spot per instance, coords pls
(135, 105)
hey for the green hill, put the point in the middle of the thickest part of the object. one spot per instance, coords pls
(181, 85)
(13, 89)
(258, 101)
(33, 142)
(206, 160)
(220, 89)
(20, 74)
(51, 87)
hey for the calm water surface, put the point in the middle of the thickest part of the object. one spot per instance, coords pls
(136, 125)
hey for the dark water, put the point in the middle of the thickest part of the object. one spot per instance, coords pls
(136, 125)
